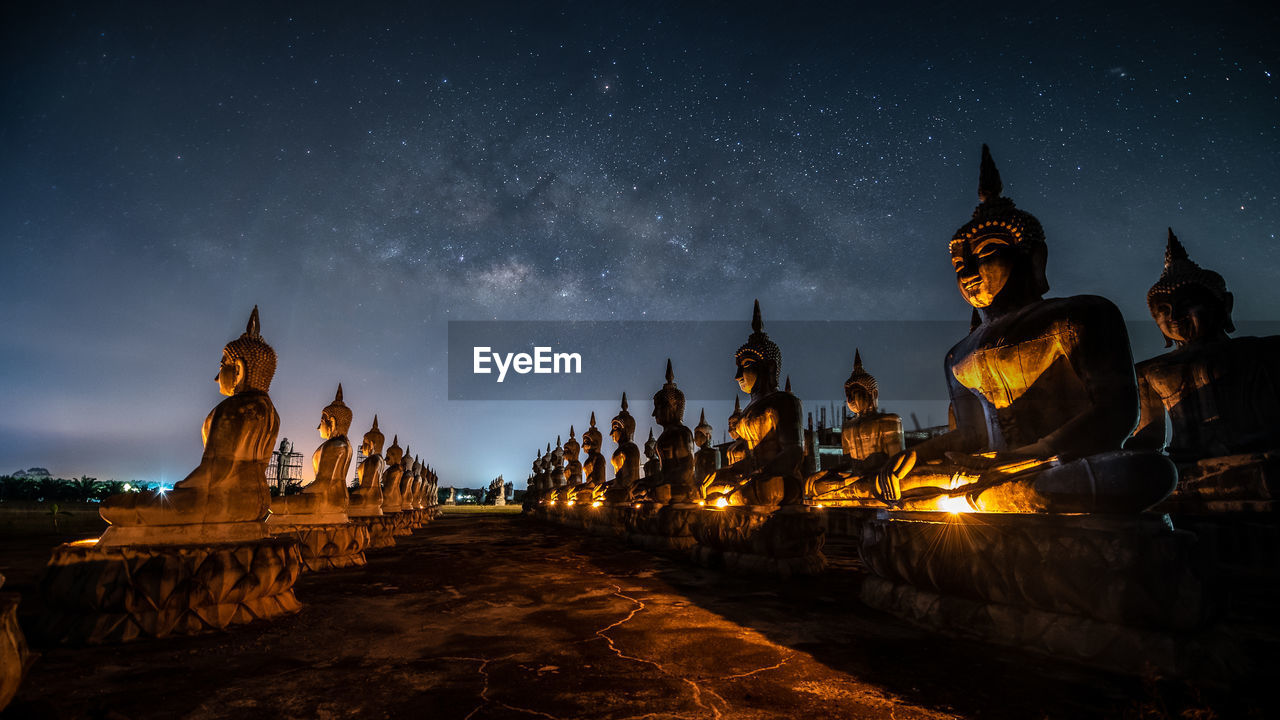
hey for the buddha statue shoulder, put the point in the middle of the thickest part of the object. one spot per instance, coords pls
(625, 459)
(323, 500)
(674, 447)
(366, 499)
(1042, 389)
(229, 485)
(706, 459)
(593, 467)
(771, 427)
(1221, 395)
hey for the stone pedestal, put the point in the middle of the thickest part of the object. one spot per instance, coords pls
(14, 655)
(96, 594)
(1230, 484)
(659, 527)
(329, 546)
(381, 530)
(846, 521)
(776, 541)
(1124, 592)
(401, 523)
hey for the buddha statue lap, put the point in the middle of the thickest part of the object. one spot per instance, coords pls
(625, 459)
(593, 467)
(674, 448)
(226, 497)
(770, 426)
(324, 500)
(366, 499)
(1043, 390)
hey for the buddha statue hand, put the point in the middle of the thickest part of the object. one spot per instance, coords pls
(888, 479)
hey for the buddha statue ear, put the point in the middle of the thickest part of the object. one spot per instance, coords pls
(241, 375)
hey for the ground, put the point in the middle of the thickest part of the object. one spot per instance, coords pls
(487, 616)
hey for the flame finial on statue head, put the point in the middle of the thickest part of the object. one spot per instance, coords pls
(762, 350)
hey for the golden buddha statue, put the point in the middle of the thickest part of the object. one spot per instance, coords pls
(1220, 394)
(625, 459)
(406, 480)
(366, 499)
(770, 425)
(706, 461)
(556, 478)
(227, 493)
(573, 467)
(652, 467)
(1042, 390)
(324, 500)
(869, 437)
(593, 467)
(674, 447)
(391, 477)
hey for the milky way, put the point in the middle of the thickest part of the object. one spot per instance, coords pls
(365, 175)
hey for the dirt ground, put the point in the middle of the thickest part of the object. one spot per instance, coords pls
(486, 616)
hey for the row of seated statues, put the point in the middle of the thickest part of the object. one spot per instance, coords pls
(1044, 401)
(227, 498)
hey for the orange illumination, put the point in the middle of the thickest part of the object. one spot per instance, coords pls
(637, 506)
(954, 505)
(90, 542)
(596, 504)
(722, 502)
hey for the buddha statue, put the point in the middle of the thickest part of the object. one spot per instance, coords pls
(674, 447)
(593, 467)
(625, 459)
(419, 484)
(869, 436)
(407, 480)
(391, 477)
(324, 500)
(770, 425)
(557, 479)
(366, 499)
(706, 461)
(1220, 394)
(652, 465)
(573, 467)
(229, 487)
(737, 450)
(1043, 390)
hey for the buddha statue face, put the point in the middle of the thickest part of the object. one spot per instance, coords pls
(702, 435)
(1188, 315)
(984, 266)
(328, 425)
(750, 373)
(230, 374)
(591, 440)
(859, 401)
(733, 426)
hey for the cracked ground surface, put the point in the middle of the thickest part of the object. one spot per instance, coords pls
(497, 616)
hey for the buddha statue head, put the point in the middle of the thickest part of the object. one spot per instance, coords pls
(248, 362)
(1189, 303)
(335, 419)
(668, 403)
(373, 440)
(623, 426)
(394, 454)
(759, 360)
(860, 391)
(702, 433)
(571, 446)
(735, 417)
(592, 439)
(1001, 252)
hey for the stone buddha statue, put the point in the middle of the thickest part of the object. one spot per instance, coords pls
(229, 487)
(407, 480)
(1220, 394)
(737, 450)
(573, 467)
(674, 447)
(770, 425)
(391, 477)
(652, 465)
(419, 483)
(706, 461)
(559, 484)
(593, 467)
(366, 499)
(324, 500)
(1042, 390)
(625, 459)
(869, 436)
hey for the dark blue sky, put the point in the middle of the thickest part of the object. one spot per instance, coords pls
(367, 174)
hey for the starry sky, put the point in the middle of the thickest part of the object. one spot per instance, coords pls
(367, 173)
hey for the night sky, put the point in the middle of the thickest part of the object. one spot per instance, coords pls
(365, 175)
